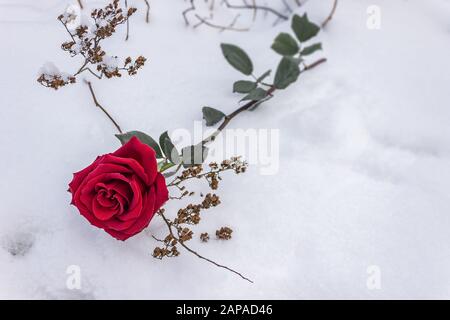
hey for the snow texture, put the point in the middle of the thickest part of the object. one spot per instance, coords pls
(364, 173)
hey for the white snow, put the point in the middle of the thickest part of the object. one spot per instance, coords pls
(364, 173)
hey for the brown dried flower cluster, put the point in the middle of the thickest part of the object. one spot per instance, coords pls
(85, 41)
(179, 230)
(56, 80)
(224, 233)
(213, 175)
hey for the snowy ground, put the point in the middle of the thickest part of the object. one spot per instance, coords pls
(365, 154)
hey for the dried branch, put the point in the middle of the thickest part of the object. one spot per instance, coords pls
(128, 23)
(186, 11)
(147, 14)
(178, 228)
(256, 7)
(170, 227)
(88, 44)
(221, 28)
(331, 15)
(245, 6)
(97, 104)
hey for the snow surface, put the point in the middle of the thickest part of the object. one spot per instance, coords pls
(365, 153)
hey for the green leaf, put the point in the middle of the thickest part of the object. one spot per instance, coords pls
(311, 49)
(303, 28)
(163, 166)
(212, 116)
(285, 45)
(260, 102)
(237, 58)
(144, 138)
(194, 155)
(287, 73)
(243, 86)
(264, 76)
(256, 95)
(168, 148)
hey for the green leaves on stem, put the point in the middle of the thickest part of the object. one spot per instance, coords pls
(256, 91)
(288, 69)
(292, 49)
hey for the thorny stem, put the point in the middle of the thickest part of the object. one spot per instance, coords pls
(169, 225)
(330, 16)
(250, 104)
(97, 104)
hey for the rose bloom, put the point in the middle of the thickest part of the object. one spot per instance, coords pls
(121, 191)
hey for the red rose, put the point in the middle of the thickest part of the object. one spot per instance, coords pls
(121, 191)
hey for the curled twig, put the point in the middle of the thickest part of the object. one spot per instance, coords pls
(330, 16)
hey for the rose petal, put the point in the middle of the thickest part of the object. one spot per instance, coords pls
(78, 177)
(86, 191)
(135, 207)
(103, 213)
(141, 223)
(105, 200)
(143, 154)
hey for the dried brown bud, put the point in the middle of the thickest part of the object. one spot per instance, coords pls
(224, 233)
(204, 237)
